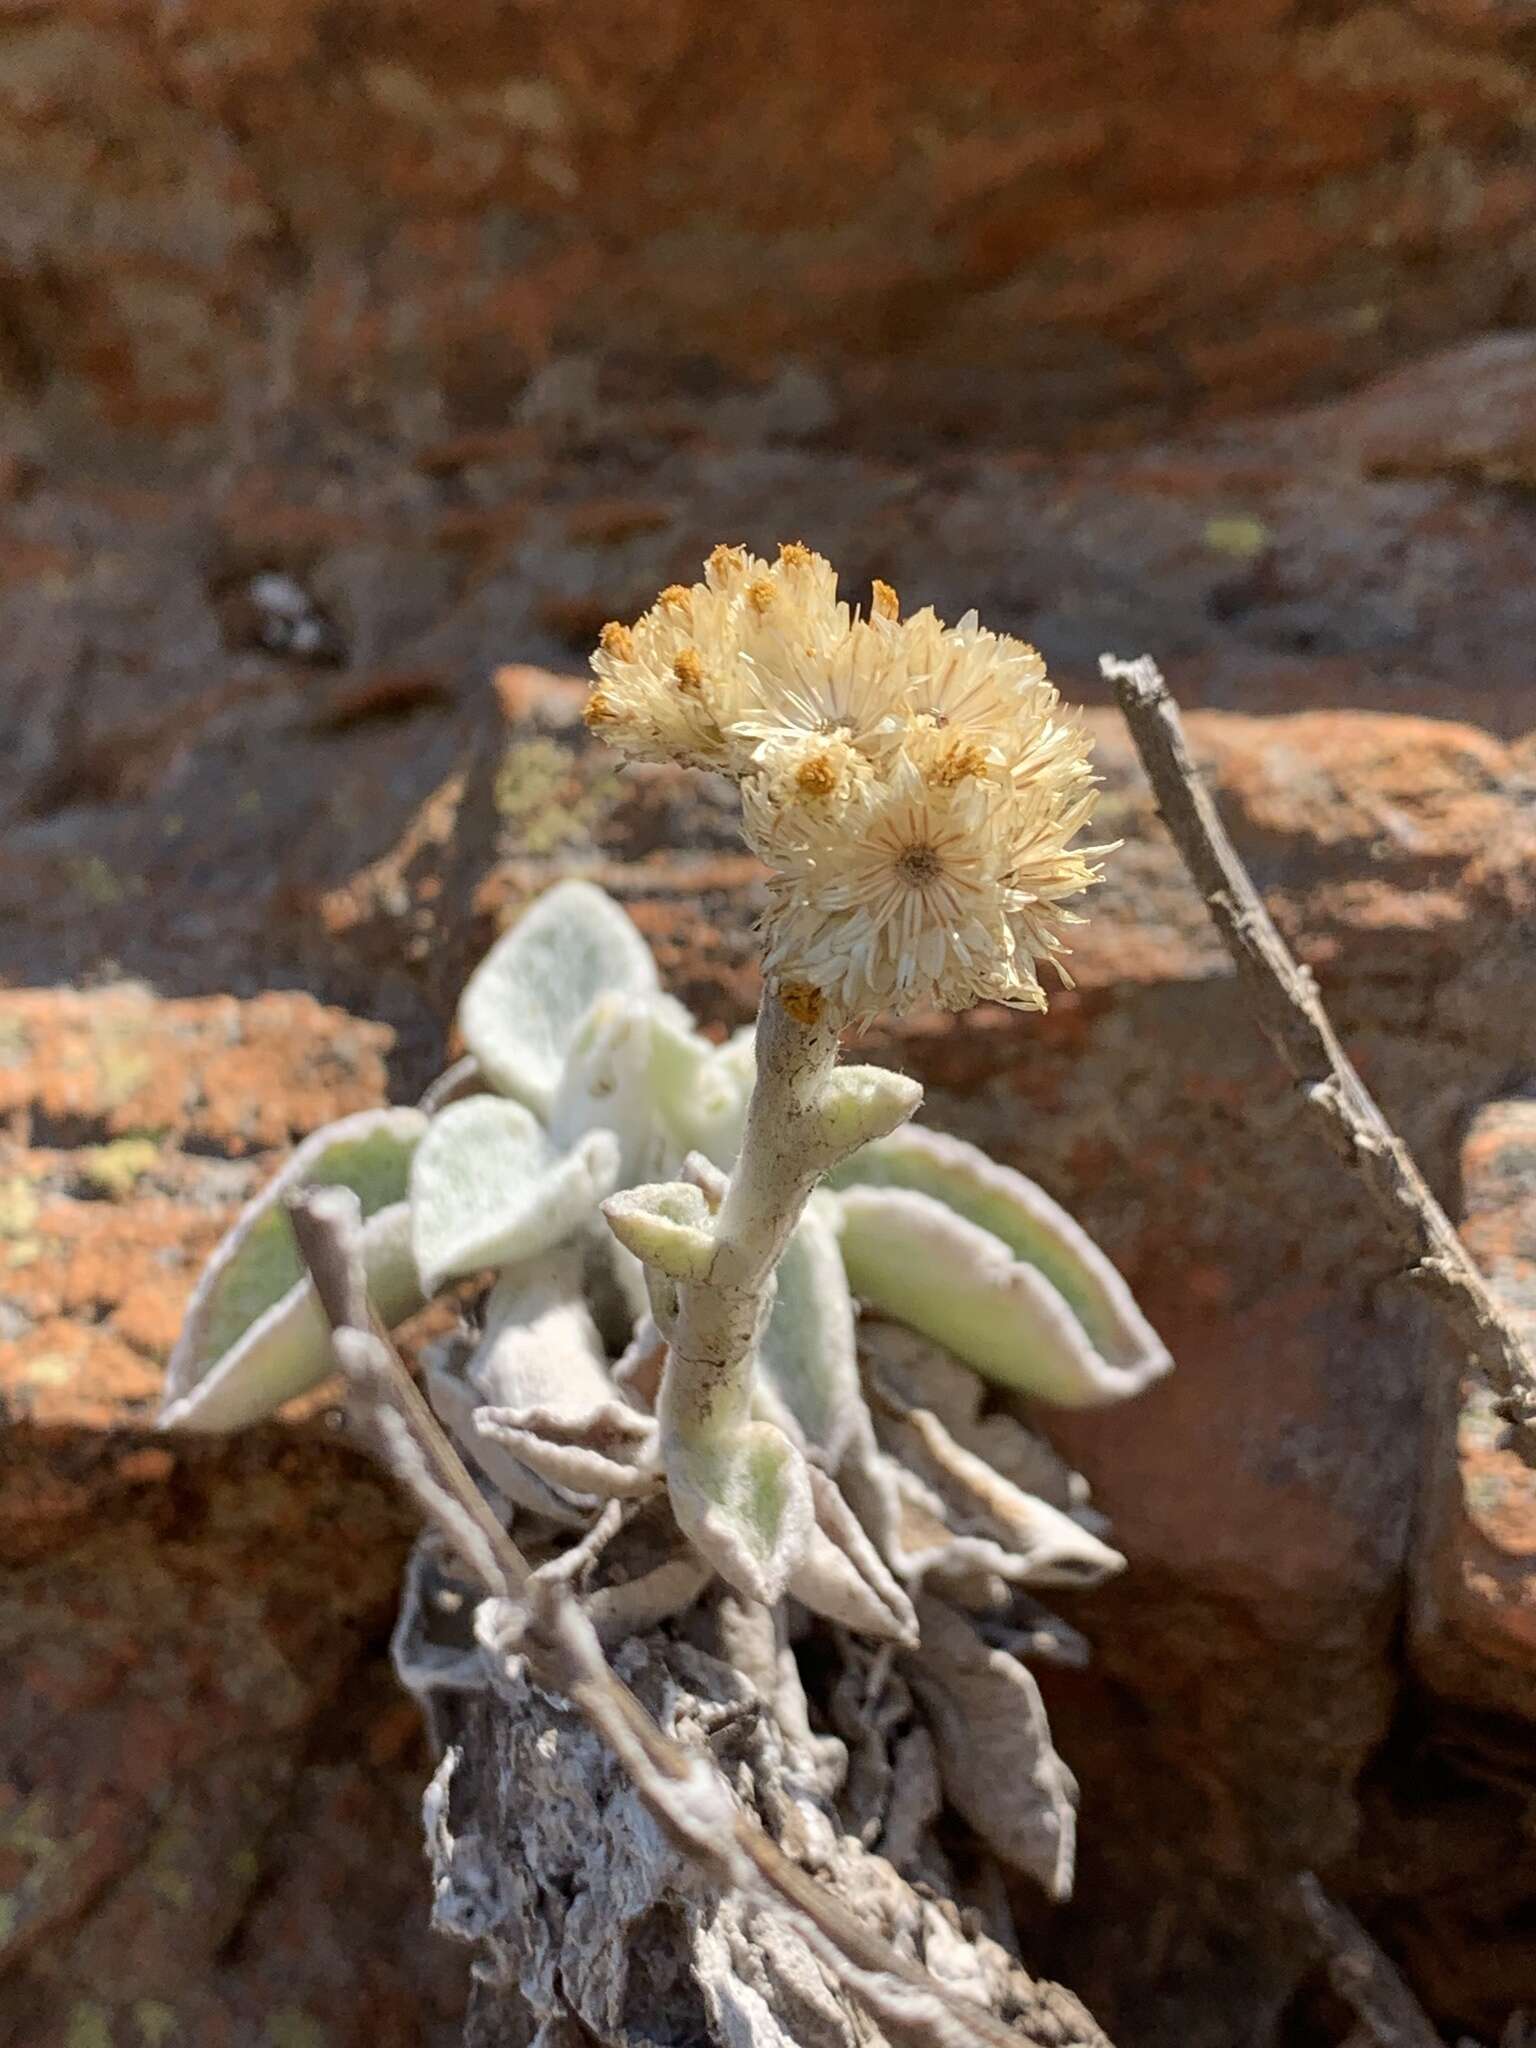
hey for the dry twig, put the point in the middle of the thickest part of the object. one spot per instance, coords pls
(1291, 1014)
(683, 1790)
(1363, 1975)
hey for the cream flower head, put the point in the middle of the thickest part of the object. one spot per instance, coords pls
(913, 787)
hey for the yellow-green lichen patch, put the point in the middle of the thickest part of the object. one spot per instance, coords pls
(114, 1170)
(1239, 534)
(89, 2026)
(548, 798)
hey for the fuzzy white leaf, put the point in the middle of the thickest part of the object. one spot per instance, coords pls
(257, 1264)
(287, 1350)
(522, 1004)
(609, 1453)
(914, 1258)
(1036, 1544)
(908, 1371)
(1117, 1351)
(540, 1347)
(539, 1352)
(633, 1066)
(487, 1188)
(744, 1502)
(457, 1407)
(807, 1354)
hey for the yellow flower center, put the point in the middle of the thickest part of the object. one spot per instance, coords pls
(618, 641)
(884, 602)
(816, 775)
(688, 671)
(957, 761)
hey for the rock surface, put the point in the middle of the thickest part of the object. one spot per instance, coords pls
(209, 1784)
(1065, 220)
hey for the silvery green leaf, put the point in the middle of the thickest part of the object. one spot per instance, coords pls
(487, 1188)
(258, 1264)
(1073, 1334)
(633, 1067)
(913, 1258)
(287, 1350)
(744, 1502)
(807, 1354)
(522, 1004)
(1000, 1768)
(711, 1121)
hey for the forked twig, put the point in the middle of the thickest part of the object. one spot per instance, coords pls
(683, 1790)
(1291, 1014)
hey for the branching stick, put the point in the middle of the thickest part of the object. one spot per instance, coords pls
(1291, 1014)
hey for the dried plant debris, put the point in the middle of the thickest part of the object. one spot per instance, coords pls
(592, 1928)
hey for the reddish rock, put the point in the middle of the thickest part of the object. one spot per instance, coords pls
(1475, 1611)
(230, 1076)
(1060, 223)
(208, 1802)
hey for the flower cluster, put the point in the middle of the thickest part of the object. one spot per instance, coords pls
(911, 786)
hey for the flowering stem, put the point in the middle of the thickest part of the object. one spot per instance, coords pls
(707, 1390)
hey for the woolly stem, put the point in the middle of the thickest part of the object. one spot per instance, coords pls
(707, 1388)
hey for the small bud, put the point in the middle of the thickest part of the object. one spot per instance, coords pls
(953, 763)
(665, 1225)
(859, 1104)
(885, 604)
